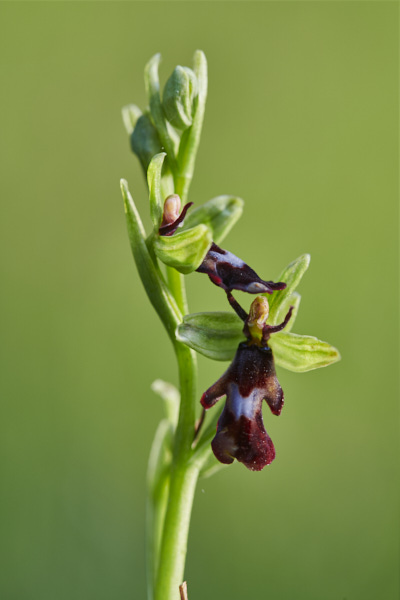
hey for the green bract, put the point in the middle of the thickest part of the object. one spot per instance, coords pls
(219, 214)
(171, 398)
(214, 334)
(154, 183)
(185, 251)
(158, 293)
(179, 95)
(302, 353)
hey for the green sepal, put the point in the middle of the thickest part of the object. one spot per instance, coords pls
(219, 214)
(154, 183)
(283, 309)
(130, 116)
(171, 398)
(185, 251)
(145, 142)
(213, 334)
(301, 353)
(179, 95)
(291, 276)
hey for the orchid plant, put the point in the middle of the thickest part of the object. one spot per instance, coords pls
(165, 138)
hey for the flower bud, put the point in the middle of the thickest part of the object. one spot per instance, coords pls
(179, 96)
(172, 209)
(145, 142)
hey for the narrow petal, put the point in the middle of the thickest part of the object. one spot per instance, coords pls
(215, 392)
(274, 395)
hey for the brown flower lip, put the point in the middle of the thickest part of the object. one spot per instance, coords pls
(230, 273)
(241, 434)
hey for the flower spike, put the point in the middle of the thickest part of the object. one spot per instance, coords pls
(230, 273)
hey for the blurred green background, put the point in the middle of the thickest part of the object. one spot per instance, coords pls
(302, 123)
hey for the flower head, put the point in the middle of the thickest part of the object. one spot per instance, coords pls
(250, 379)
(230, 273)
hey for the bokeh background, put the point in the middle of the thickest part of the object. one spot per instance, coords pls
(302, 123)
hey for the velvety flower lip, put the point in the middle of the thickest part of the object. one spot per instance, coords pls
(230, 273)
(241, 433)
(249, 380)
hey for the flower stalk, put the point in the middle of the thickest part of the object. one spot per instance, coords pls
(165, 139)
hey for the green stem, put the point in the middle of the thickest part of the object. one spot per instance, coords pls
(170, 561)
(184, 474)
(176, 530)
(176, 283)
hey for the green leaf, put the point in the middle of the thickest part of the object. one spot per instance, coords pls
(158, 293)
(219, 214)
(179, 94)
(214, 334)
(185, 251)
(283, 309)
(154, 183)
(130, 116)
(171, 397)
(301, 353)
(291, 276)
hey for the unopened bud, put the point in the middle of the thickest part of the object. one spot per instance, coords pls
(258, 315)
(172, 209)
(179, 95)
(145, 142)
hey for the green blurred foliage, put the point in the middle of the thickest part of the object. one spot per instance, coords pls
(301, 122)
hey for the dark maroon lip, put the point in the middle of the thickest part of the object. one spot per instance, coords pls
(230, 273)
(250, 379)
